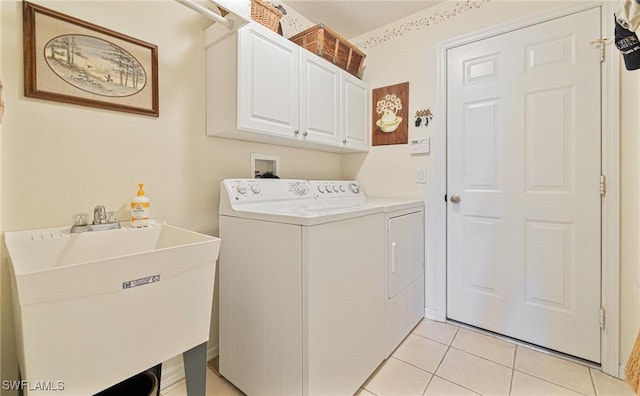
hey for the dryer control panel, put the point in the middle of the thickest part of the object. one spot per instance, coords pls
(323, 189)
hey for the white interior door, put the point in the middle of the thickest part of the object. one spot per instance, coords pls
(523, 183)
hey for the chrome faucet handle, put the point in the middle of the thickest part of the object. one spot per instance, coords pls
(99, 214)
(80, 219)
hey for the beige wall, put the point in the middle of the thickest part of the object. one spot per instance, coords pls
(630, 210)
(7, 364)
(411, 55)
(60, 159)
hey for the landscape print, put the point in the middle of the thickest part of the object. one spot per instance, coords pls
(95, 65)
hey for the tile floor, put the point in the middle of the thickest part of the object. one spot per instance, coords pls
(444, 359)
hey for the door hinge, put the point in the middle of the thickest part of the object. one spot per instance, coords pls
(602, 318)
(601, 42)
(603, 184)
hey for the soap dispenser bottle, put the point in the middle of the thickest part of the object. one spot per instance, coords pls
(140, 209)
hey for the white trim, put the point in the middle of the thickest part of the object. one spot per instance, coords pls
(170, 375)
(610, 167)
(430, 313)
(174, 373)
(611, 201)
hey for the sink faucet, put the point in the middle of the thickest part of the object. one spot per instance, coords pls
(100, 221)
(99, 214)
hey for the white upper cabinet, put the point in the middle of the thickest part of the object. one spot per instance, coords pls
(263, 87)
(319, 99)
(268, 83)
(356, 102)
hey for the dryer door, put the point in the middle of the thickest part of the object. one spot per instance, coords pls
(405, 251)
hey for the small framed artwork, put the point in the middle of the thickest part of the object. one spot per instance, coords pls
(390, 115)
(74, 61)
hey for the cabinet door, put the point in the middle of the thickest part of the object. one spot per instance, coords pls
(267, 82)
(319, 99)
(356, 103)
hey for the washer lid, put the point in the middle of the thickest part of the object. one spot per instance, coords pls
(305, 215)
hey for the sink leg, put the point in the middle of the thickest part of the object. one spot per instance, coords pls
(195, 369)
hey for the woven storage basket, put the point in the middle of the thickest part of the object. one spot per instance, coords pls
(328, 44)
(263, 13)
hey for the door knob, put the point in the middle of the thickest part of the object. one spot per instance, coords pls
(455, 198)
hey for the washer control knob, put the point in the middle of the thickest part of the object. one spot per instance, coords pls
(299, 188)
(328, 188)
(354, 188)
(342, 188)
(321, 189)
(256, 188)
(242, 189)
(335, 188)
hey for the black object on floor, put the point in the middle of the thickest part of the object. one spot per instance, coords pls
(147, 383)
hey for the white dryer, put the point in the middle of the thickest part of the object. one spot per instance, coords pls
(302, 287)
(404, 258)
(405, 276)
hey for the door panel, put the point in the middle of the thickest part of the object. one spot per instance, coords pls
(550, 140)
(523, 155)
(550, 274)
(482, 138)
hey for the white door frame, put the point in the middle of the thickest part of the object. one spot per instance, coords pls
(610, 168)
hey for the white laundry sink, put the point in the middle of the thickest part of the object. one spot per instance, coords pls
(94, 308)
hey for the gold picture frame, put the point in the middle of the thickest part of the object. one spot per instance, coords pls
(73, 61)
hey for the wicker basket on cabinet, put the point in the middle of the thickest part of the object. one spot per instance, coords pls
(329, 45)
(263, 13)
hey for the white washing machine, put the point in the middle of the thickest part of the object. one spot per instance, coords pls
(303, 296)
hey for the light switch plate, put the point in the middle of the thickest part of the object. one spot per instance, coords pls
(421, 175)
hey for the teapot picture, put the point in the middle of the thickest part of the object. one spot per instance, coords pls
(387, 107)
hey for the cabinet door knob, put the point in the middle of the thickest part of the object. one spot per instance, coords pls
(296, 132)
(305, 133)
(344, 141)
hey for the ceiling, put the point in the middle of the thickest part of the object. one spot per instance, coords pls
(351, 18)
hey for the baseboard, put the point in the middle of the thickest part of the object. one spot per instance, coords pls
(171, 374)
(430, 313)
(174, 373)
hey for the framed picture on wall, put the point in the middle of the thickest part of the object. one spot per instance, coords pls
(390, 115)
(74, 61)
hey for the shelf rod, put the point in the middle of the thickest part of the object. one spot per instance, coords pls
(226, 22)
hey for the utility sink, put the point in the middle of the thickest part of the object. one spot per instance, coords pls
(95, 308)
